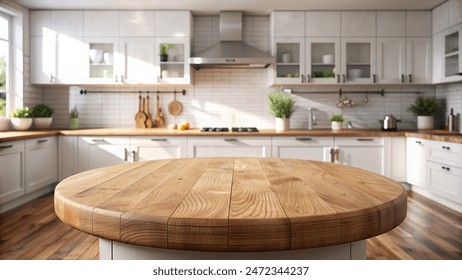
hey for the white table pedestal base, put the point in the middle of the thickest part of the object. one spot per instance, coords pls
(112, 250)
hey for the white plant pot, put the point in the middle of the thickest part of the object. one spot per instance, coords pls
(21, 123)
(425, 122)
(336, 125)
(281, 124)
(42, 123)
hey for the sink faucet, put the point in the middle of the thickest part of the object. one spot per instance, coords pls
(311, 118)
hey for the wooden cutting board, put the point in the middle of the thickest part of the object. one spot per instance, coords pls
(149, 122)
(140, 117)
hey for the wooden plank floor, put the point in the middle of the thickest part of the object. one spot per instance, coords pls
(33, 231)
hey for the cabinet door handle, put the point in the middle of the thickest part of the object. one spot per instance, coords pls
(418, 142)
(446, 168)
(98, 140)
(402, 78)
(303, 79)
(42, 141)
(308, 78)
(338, 79)
(332, 155)
(230, 139)
(303, 139)
(6, 147)
(344, 78)
(337, 154)
(446, 148)
(125, 154)
(133, 156)
(374, 78)
(410, 78)
(364, 139)
(159, 140)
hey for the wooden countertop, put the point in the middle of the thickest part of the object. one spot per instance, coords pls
(439, 135)
(231, 204)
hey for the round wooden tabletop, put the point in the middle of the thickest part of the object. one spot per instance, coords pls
(231, 204)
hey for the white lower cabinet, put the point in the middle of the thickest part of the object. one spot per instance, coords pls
(229, 147)
(445, 180)
(41, 162)
(362, 152)
(152, 148)
(95, 152)
(302, 147)
(416, 163)
(11, 170)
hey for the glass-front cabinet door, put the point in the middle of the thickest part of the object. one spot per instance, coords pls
(452, 54)
(172, 56)
(290, 61)
(323, 60)
(102, 60)
(358, 60)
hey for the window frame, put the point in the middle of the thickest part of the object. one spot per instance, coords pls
(10, 57)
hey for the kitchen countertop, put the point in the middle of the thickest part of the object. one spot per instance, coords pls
(231, 204)
(440, 135)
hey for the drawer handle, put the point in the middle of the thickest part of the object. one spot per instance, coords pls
(418, 142)
(446, 148)
(42, 141)
(6, 147)
(230, 139)
(446, 168)
(364, 139)
(98, 140)
(304, 139)
(159, 140)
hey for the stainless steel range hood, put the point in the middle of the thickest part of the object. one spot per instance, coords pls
(231, 52)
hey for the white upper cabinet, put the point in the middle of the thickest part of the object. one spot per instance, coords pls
(440, 18)
(136, 23)
(419, 24)
(391, 59)
(358, 24)
(101, 23)
(358, 60)
(455, 12)
(288, 24)
(391, 24)
(418, 60)
(322, 24)
(136, 58)
(173, 24)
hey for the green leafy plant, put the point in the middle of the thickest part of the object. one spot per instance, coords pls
(164, 48)
(74, 113)
(337, 118)
(281, 105)
(424, 106)
(42, 111)
(25, 112)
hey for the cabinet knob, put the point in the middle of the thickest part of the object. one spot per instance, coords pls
(418, 142)
(446, 148)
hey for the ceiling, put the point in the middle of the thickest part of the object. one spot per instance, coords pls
(263, 7)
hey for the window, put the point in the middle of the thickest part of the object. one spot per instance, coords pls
(5, 27)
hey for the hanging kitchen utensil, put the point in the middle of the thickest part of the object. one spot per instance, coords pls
(160, 122)
(366, 99)
(148, 114)
(140, 117)
(175, 108)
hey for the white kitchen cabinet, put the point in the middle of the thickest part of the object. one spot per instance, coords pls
(136, 24)
(153, 148)
(290, 60)
(57, 50)
(137, 60)
(176, 70)
(445, 153)
(416, 163)
(95, 152)
(177, 24)
(12, 168)
(455, 12)
(391, 24)
(288, 24)
(41, 163)
(322, 24)
(391, 60)
(418, 24)
(67, 156)
(395, 158)
(229, 147)
(322, 60)
(351, 150)
(358, 60)
(303, 147)
(99, 70)
(358, 24)
(452, 54)
(101, 23)
(418, 60)
(440, 17)
(445, 181)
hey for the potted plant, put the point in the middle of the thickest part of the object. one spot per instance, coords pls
(336, 121)
(281, 105)
(42, 116)
(424, 108)
(21, 118)
(74, 118)
(164, 48)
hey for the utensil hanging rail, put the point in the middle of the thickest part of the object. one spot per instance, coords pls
(85, 91)
(340, 91)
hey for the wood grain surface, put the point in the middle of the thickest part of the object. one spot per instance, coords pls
(231, 204)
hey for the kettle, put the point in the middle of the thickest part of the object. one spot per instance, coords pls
(389, 123)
